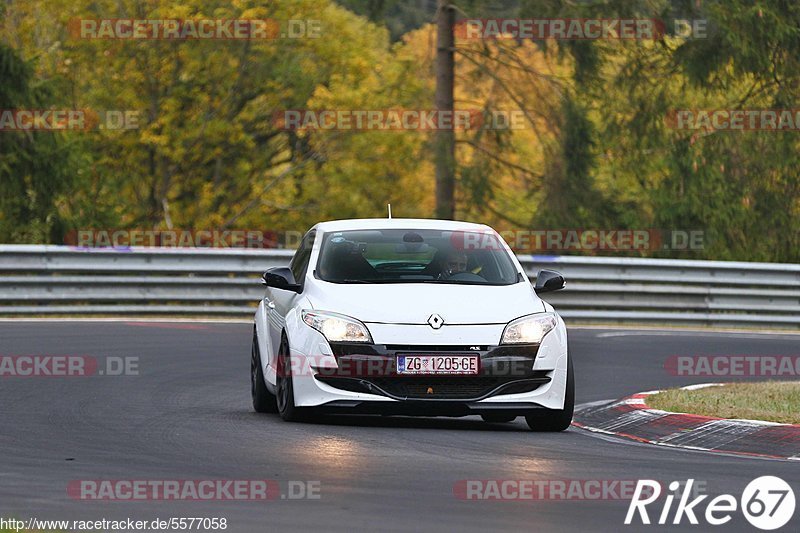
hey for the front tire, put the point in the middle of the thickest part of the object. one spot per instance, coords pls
(556, 419)
(263, 400)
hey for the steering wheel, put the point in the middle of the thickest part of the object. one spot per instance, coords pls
(462, 276)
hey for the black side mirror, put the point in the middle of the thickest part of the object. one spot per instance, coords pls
(280, 278)
(548, 281)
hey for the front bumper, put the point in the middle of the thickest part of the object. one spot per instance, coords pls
(372, 369)
(427, 408)
(513, 380)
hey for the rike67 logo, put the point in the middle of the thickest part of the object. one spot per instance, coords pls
(767, 502)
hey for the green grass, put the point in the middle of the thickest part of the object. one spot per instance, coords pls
(773, 401)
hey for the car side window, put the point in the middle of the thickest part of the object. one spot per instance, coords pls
(299, 264)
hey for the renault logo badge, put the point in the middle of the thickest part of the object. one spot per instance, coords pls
(435, 321)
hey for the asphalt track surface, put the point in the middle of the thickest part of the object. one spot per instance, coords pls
(187, 415)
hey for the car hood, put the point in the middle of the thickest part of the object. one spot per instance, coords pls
(414, 303)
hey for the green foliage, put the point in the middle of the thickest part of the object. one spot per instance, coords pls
(741, 188)
(403, 16)
(570, 199)
(35, 166)
(596, 150)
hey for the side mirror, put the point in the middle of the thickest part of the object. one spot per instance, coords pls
(548, 281)
(280, 278)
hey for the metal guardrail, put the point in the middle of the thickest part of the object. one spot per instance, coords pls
(63, 280)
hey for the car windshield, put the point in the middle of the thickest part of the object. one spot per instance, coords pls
(415, 256)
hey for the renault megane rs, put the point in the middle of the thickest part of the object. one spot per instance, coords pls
(410, 317)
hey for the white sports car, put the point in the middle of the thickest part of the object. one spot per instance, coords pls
(410, 317)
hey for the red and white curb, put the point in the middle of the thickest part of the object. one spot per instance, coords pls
(632, 419)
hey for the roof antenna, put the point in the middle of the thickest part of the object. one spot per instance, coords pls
(390, 210)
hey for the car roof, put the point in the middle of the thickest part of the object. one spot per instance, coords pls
(399, 223)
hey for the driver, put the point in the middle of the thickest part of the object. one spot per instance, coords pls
(454, 263)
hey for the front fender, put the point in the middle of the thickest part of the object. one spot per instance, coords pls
(264, 346)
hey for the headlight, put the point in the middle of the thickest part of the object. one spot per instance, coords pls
(529, 329)
(336, 327)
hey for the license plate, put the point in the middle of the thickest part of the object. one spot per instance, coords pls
(437, 364)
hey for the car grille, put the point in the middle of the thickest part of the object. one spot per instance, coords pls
(437, 386)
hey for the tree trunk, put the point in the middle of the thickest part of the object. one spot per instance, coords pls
(444, 141)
